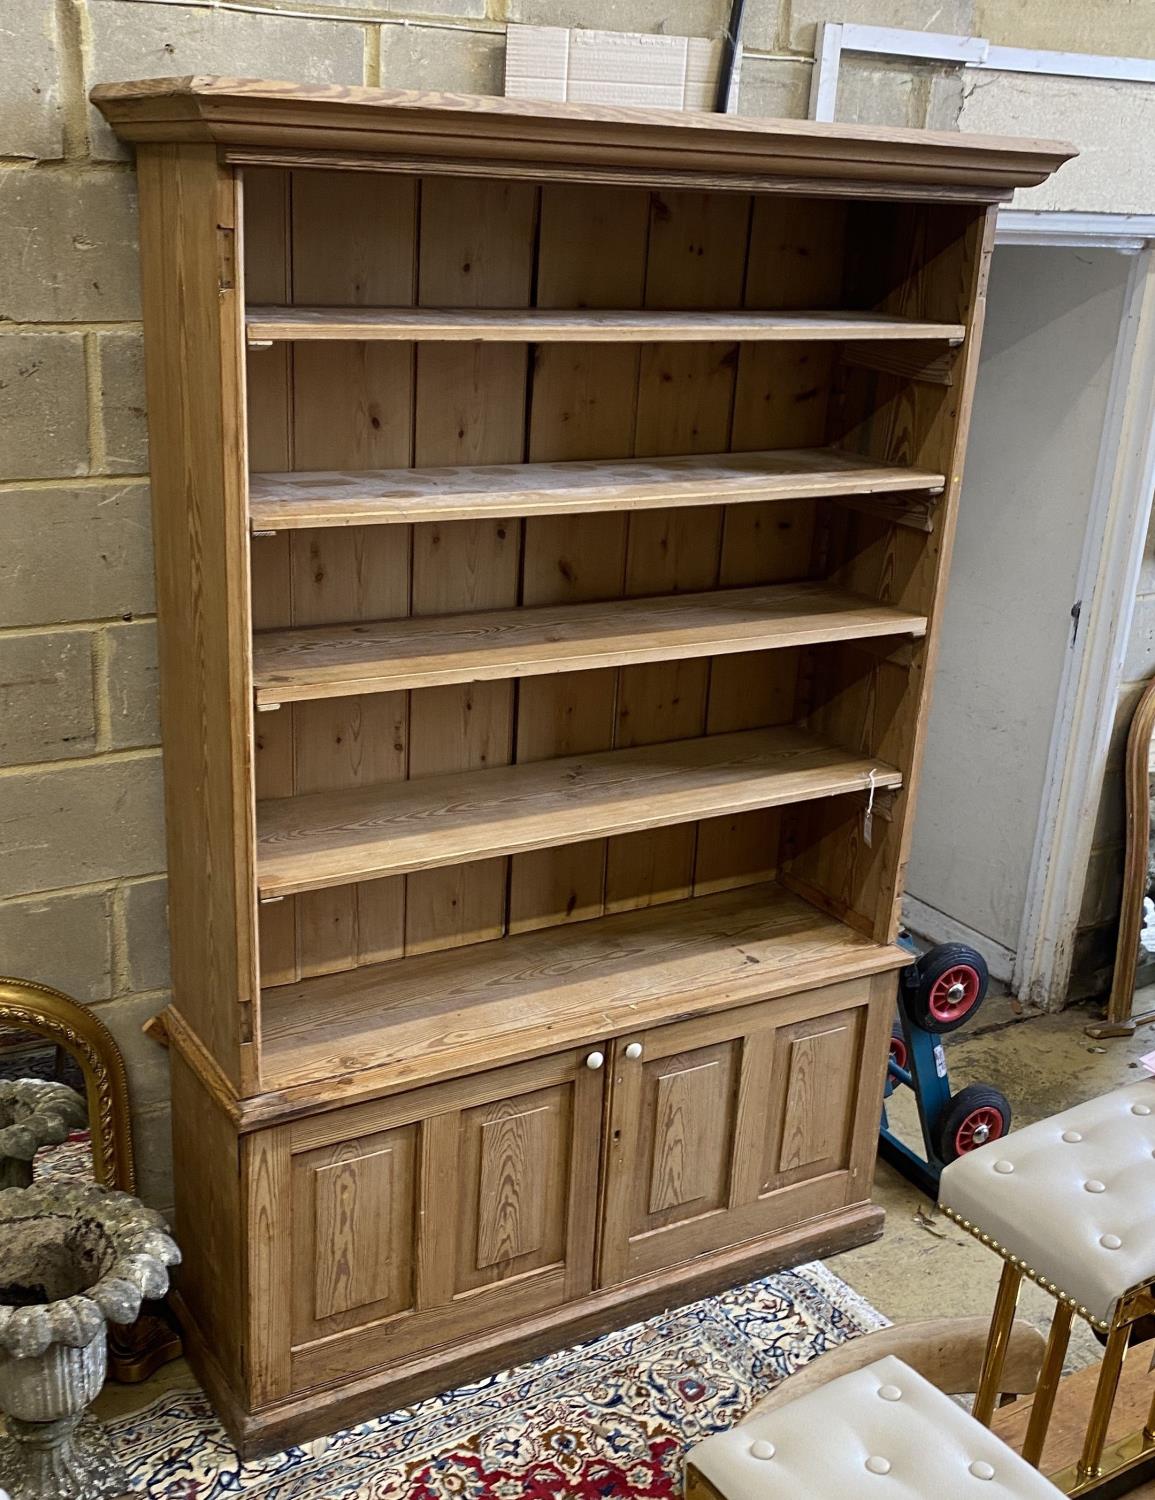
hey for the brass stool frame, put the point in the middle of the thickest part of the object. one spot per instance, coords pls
(1100, 1469)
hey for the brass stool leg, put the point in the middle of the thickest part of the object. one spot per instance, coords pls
(997, 1340)
(1111, 1369)
(1048, 1386)
(1149, 1429)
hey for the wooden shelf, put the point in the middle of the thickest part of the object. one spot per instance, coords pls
(323, 839)
(438, 1015)
(332, 661)
(591, 326)
(285, 502)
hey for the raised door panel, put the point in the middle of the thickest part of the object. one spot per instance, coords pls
(514, 1160)
(688, 1114)
(732, 1126)
(426, 1219)
(814, 1094)
(354, 1204)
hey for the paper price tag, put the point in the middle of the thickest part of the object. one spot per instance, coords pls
(868, 817)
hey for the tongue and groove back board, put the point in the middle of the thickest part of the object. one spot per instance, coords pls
(552, 507)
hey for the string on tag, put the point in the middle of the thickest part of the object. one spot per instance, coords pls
(868, 817)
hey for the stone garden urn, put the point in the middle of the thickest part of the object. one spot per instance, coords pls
(34, 1113)
(73, 1258)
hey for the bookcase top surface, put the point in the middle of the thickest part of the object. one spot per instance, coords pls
(517, 136)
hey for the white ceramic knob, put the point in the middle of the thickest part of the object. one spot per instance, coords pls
(634, 1051)
(595, 1060)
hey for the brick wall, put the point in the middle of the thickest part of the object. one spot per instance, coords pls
(82, 853)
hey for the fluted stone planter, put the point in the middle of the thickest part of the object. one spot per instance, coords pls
(72, 1259)
(34, 1113)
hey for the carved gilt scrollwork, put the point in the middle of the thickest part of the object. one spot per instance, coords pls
(66, 1023)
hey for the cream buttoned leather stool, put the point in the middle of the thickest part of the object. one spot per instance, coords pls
(1070, 1203)
(874, 1416)
(881, 1430)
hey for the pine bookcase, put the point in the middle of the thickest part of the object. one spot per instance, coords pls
(552, 507)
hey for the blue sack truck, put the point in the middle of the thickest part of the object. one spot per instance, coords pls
(941, 991)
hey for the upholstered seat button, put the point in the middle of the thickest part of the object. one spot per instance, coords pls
(1004, 1166)
(1111, 1242)
(761, 1449)
(877, 1465)
(1140, 1109)
(982, 1470)
(890, 1393)
(1092, 1186)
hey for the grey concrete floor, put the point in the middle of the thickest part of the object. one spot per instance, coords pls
(924, 1266)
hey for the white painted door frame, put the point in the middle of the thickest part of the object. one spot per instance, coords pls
(837, 37)
(1120, 503)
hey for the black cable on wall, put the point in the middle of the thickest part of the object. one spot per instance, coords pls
(729, 53)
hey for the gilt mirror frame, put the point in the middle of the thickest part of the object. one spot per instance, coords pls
(1121, 1020)
(66, 1023)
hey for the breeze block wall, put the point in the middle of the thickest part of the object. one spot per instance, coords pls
(82, 891)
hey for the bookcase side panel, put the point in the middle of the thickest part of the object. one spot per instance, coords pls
(850, 865)
(193, 342)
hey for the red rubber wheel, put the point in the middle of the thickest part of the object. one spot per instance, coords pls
(899, 1051)
(954, 995)
(974, 1117)
(949, 985)
(980, 1126)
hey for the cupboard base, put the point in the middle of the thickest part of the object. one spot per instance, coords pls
(315, 1413)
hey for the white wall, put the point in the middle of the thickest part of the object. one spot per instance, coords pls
(1052, 326)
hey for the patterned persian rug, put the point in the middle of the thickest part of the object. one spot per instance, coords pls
(610, 1418)
(71, 1161)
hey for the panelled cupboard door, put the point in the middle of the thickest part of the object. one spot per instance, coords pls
(426, 1218)
(727, 1127)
